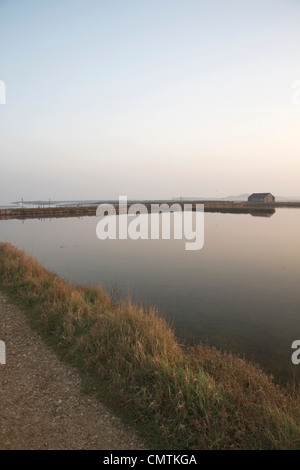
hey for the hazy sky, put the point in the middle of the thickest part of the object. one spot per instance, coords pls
(149, 99)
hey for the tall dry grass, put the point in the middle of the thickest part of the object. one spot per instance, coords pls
(177, 397)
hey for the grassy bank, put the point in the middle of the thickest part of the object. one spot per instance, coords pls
(178, 398)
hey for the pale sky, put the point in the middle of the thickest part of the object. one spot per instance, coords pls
(149, 99)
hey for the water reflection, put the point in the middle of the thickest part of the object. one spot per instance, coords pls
(240, 292)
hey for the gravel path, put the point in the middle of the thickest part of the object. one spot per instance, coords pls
(41, 404)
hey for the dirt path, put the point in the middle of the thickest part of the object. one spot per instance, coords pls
(41, 405)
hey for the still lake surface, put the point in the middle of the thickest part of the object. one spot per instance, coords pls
(240, 292)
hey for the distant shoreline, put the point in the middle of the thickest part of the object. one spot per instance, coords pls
(90, 210)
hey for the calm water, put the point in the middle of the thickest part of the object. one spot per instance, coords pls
(241, 292)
